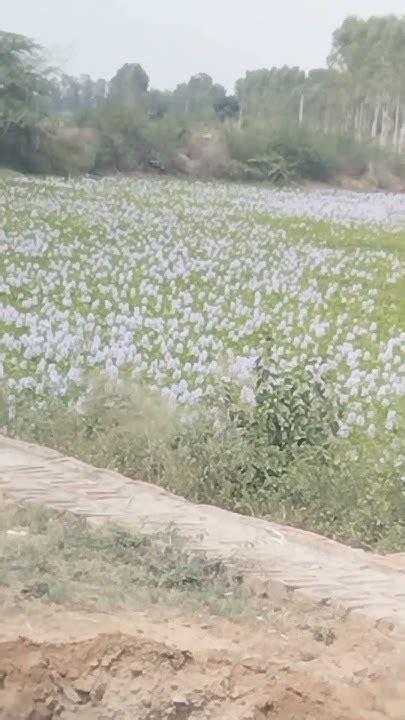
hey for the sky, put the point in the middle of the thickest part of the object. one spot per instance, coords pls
(174, 39)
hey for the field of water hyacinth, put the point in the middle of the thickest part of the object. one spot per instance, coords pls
(178, 284)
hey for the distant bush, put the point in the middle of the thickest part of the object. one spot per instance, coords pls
(70, 151)
(54, 151)
(278, 154)
(130, 140)
(207, 153)
(352, 157)
(310, 154)
(113, 137)
(161, 138)
(120, 128)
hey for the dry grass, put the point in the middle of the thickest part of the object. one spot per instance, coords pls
(62, 559)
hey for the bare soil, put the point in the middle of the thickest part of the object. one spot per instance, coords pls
(298, 662)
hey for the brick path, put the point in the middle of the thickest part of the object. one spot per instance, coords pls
(323, 570)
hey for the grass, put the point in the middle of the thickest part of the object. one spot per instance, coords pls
(348, 489)
(62, 559)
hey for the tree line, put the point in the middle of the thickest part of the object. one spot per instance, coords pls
(359, 96)
(130, 88)
(360, 93)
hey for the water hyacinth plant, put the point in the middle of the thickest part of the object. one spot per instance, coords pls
(179, 285)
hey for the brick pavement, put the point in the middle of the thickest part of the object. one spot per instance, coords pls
(322, 569)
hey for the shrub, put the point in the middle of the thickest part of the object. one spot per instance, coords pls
(348, 493)
(352, 157)
(247, 143)
(278, 458)
(55, 151)
(120, 426)
(161, 139)
(121, 128)
(292, 411)
(310, 153)
(305, 154)
(207, 153)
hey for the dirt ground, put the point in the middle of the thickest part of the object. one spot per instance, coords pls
(298, 662)
(313, 646)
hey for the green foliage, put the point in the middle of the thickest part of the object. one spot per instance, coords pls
(162, 141)
(244, 455)
(280, 155)
(120, 127)
(24, 98)
(227, 108)
(311, 154)
(278, 458)
(313, 125)
(360, 94)
(273, 168)
(268, 95)
(129, 85)
(62, 152)
(349, 494)
(198, 96)
(292, 410)
(129, 140)
(23, 87)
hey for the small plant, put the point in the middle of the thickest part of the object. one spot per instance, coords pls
(66, 560)
(292, 411)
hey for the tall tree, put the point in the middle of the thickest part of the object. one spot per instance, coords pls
(24, 96)
(129, 85)
(199, 95)
(271, 96)
(371, 53)
(24, 89)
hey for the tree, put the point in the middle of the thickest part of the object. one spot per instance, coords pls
(227, 108)
(129, 85)
(24, 96)
(199, 95)
(72, 95)
(271, 95)
(371, 53)
(158, 103)
(100, 91)
(24, 89)
(69, 94)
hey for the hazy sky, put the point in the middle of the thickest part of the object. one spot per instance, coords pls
(173, 39)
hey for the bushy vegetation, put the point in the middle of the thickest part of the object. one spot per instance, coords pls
(281, 155)
(277, 457)
(282, 124)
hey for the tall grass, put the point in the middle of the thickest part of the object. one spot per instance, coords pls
(263, 460)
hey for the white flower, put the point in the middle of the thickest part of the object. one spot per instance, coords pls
(392, 420)
(343, 431)
(248, 395)
(372, 431)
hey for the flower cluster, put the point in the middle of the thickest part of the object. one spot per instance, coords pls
(179, 284)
